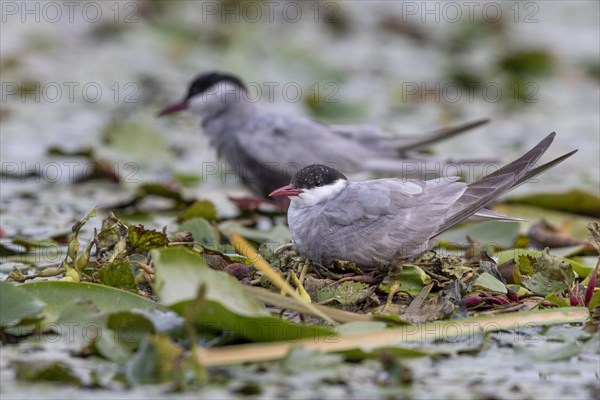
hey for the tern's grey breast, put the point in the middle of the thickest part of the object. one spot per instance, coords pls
(231, 134)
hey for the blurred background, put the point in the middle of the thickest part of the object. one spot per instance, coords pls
(82, 82)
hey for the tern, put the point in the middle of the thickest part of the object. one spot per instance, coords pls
(265, 149)
(332, 218)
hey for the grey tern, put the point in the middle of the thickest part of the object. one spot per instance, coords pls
(265, 149)
(333, 218)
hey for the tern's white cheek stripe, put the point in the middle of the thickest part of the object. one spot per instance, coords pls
(309, 197)
(216, 96)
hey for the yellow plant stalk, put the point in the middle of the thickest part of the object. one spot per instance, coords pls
(245, 249)
(390, 337)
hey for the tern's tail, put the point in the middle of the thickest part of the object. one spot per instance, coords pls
(413, 142)
(485, 190)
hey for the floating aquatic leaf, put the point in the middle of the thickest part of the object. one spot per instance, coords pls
(202, 231)
(277, 235)
(129, 328)
(80, 324)
(199, 209)
(575, 201)
(51, 371)
(488, 281)
(489, 235)
(187, 179)
(7, 250)
(158, 359)
(227, 306)
(368, 344)
(30, 244)
(534, 62)
(118, 275)
(57, 294)
(17, 305)
(138, 140)
(160, 190)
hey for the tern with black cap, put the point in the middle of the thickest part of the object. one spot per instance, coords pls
(265, 148)
(333, 218)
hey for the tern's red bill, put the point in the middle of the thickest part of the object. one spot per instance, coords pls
(173, 108)
(288, 190)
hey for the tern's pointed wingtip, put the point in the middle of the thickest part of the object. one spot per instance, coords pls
(546, 142)
(569, 154)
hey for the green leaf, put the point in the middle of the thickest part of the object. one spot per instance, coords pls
(359, 327)
(488, 281)
(337, 111)
(199, 209)
(160, 190)
(7, 250)
(555, 268)
(541, 284)
(226, 305)
(51, 371)
(202, 231)
(57, 294)
(217, 317)
(577, 224)
(494, 234)
(77, 227)
(582, 270)
(118, 275)
(124, 332)
(179, 273)
(351, 293)
(558, 301)
(525, 264)
(141, 239)
(157, 360)
(595, 301)
(138, 140)
(109, 236)
(35, 244)
(575, 201)
(187, 179)
(80, 324)
(412, 279)
(17, 305)
(535, 62)
(277, 235)
(129, 328)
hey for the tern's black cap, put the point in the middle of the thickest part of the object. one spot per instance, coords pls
(205, 81)
(316, 175)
